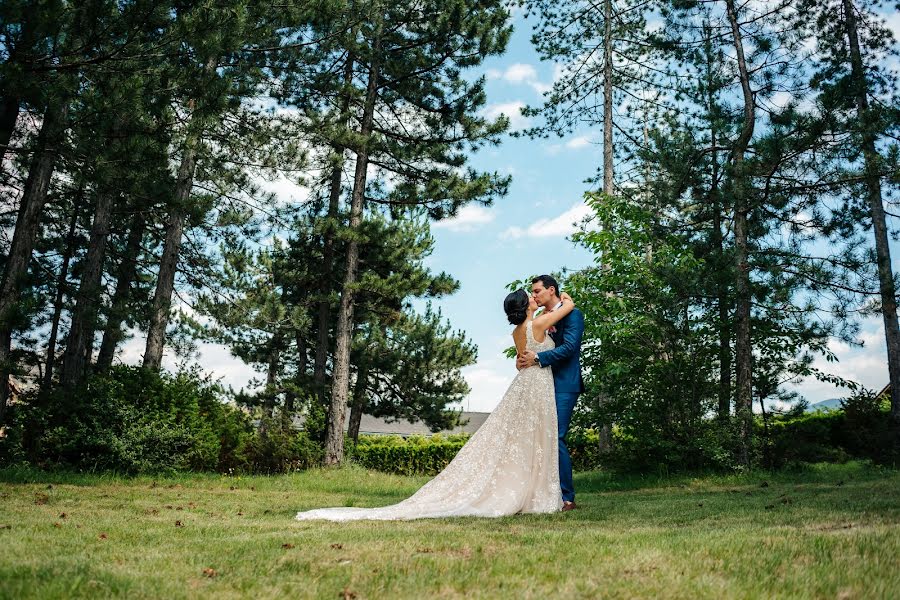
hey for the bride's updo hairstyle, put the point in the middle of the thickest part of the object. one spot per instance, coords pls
(516, 307)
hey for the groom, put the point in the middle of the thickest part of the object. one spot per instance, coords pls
(565, 362)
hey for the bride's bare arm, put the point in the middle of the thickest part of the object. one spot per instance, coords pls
(548, 320)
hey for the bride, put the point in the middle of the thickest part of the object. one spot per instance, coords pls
(511, 464)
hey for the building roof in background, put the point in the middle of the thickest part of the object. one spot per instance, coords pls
(378, 426)
(370, 425)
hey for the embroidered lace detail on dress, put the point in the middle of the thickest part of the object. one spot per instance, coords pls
(510, 465)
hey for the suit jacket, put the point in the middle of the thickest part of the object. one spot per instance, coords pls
(565, 359)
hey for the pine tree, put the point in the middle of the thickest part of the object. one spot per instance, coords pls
(859, 98)
(413, 116)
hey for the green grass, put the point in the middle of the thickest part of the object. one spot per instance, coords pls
(830, 531)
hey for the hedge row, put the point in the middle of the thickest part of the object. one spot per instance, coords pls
(419, 455)
(405, 457)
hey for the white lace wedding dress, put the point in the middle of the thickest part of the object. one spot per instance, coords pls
(510, 465)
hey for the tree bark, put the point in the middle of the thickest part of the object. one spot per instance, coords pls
(61, 288)
(168, 264)
(724, 404)
(743, 344)
(273, 369)
(28, 223)
(334, 434)
(334, 197)
(112, 334)
(724, 408)
(87, 305)
(605, 433)
(359, 400)
(876, 210)
(608, 186)
(165, 283)
(302, 361)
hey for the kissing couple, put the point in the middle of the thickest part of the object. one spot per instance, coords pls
(517, 461)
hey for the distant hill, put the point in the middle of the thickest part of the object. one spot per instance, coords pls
(831, 404)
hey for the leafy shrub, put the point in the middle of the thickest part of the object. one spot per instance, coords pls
(584, 449)
(867, 431)
(276, 449)
(860, 429)
(419, 455)
(133, 420)
(416, 455)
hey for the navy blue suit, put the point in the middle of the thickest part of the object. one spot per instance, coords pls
(565, 361)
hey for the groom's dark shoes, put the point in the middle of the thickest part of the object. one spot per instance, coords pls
(569, 506)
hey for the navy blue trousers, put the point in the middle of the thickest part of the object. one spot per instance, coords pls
(565, 404)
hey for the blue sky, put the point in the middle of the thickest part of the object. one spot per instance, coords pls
(526, 232)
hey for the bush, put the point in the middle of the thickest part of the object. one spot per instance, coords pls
(860, 429)
(276, 449)
(133, 420)
(416, 455)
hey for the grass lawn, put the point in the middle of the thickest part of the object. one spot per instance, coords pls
(830, 531)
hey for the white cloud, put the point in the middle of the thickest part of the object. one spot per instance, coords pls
(553, 149)
(487, 385)
(575, 143)
(513, 111)
(285, 189)
(561, 226)
(490, 378)
(522, 73)
(866, 365)
(469, 218)
(215, 359)
(579, 141)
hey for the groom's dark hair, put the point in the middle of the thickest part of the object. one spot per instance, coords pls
(548, 282)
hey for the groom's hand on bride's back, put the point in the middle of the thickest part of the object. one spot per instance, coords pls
(525, 360)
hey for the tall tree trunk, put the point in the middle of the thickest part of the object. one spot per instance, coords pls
(87, 304)
(876, 210)
(724, 404)
(68, 250)
(605, 433)
(608, 186)
(334, 433)
(27, 226)
(168, 264)
(724, 408)
(359, 400)
(334, 197)
(302, 362)
(742, 342)
(273, 369)
(113, 334)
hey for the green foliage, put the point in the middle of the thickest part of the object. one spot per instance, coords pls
(809, 438)
(647, 349)
(415, 455)
(860, 429)
(276, 449)
(132, 420)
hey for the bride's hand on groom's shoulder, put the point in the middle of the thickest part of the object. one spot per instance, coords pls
(565, 296)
